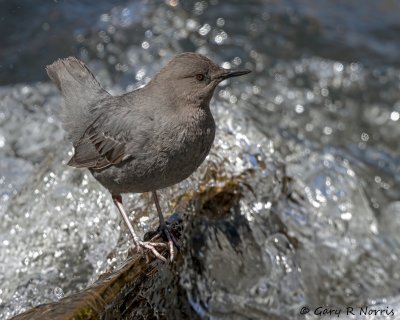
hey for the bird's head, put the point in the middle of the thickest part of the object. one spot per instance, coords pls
(192, 77)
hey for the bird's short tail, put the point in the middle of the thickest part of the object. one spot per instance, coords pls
(81, 91)
(70, 72)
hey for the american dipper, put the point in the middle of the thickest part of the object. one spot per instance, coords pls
(144, 140)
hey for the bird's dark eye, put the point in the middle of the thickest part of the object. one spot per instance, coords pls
(200, 77)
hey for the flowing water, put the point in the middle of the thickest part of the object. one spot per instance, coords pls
(321, 110)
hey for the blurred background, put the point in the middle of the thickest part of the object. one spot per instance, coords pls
(323, 101)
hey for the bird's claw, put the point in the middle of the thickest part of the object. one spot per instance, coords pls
(163, 230)
(147, 247)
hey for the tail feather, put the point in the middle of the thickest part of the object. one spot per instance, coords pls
(80, 90)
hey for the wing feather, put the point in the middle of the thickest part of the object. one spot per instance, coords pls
(121, 129)
(98, 150)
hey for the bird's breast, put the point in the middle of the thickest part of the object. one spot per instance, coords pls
(192, 142)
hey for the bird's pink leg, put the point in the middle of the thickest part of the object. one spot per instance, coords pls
(164, 229)
(140, 245)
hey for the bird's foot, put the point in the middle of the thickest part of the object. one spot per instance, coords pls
(166, 234)
(149, 246)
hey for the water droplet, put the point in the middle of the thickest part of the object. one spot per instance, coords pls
(58, 292)
(299, 108)
(145, 45)
(394, 116)
(364, 136)
(204, 29)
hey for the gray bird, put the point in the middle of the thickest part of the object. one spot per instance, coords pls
(144, 140)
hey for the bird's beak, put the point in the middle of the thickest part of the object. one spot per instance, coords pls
(226, 73)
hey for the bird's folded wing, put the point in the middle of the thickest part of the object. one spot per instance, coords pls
(98, 150)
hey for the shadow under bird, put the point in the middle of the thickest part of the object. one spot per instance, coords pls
(144, 140)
